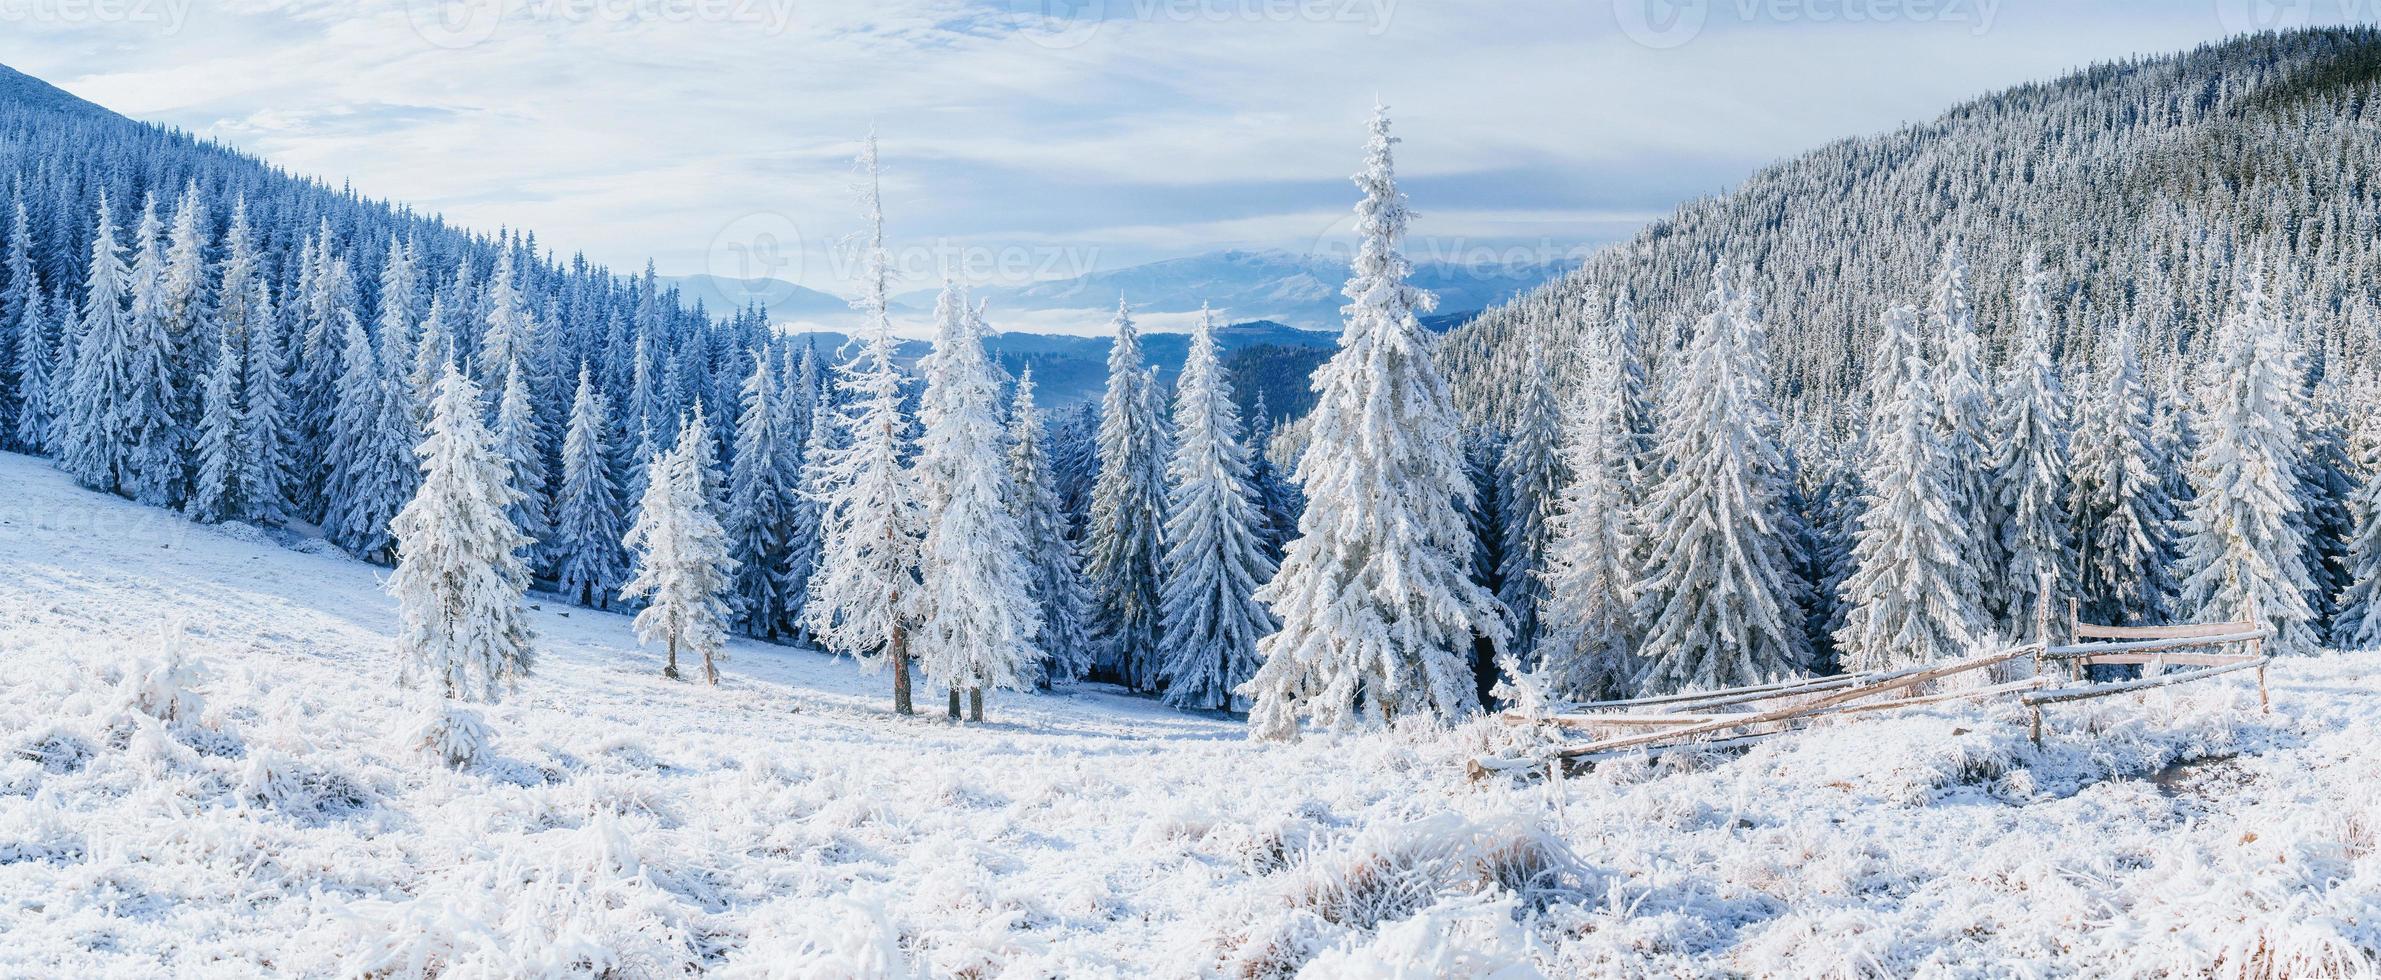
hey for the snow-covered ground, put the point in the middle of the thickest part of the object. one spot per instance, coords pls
(252, 810)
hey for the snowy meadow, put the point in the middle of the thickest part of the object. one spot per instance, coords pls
(203, 772)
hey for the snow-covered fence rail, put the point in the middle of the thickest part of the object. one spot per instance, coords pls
(1742, 716)
(2096, 645)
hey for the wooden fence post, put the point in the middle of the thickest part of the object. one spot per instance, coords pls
(2265, 704)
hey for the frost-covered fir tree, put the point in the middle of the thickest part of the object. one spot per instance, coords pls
(36, 365)
(1529, 482)
(2357, 624)
(215, 492)
(588, 562)
(1277, 500)
(863, 596)
(1911, 597)
(683, 569)
(24, 345)
(463, 631)
(1215, 554)
(264, 426)
(2123, 518)
(1377, 607)
(187, 303)
(805, 514)
(2242, 554)
(1963, 404)
(368, 484)
(979, 614)
(1590, 577)
(509, 328)
(761, 485)
(1717, 605)
(120, 435)
(517, 442)
(2029, 467)
(1125, 543)
(1056, 583)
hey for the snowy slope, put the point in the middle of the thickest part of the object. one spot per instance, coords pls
(786, 825)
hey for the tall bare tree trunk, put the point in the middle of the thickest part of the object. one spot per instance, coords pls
(975, 704)
(671, 671)
(954, 703)
(900, 650)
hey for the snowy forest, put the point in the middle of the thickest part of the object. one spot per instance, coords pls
(1887, 404)
(1773, 459)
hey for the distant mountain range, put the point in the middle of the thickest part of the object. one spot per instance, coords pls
(1297, 291)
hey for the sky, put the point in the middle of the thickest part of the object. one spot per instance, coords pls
(1038, 139)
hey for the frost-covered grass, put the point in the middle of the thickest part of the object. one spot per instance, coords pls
(204, 771)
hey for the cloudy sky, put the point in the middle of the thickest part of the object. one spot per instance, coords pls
(1029, 139)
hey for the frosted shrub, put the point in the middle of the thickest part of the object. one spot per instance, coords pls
(1459, 939)
(165, 687)
(451, 733)
(1397, 871)
(844, 936)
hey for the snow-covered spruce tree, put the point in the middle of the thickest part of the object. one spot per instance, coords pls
(1717, 603)
(516, 441)
(1215, 556)
(2123, 518)
(1378, 609)
(761, 485)
(188, 306)
(509, 328)
(120, 435)
(1529, 482)
(1911, 597)
(2241, 551)
(805, 515)
(36, 365)
(588, 562)
(463, 631)
(1126, 543)
(2357, 624)
(2029, 466)
(20, 288)
(1629, 347)
(1590, 577)
(264, 426)
(979, 614)
(863, 596)
(215, 492)
(2325, 492)
(1277, 501)
(683, 569)
(1056, 583)
(365, 488)
(1964, 406)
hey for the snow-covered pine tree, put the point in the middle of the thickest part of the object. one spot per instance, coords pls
(2325, 492)
(979, 614)
(264, 427)
(20, 347)
(510, 327)
(1529, 483)
(1963, 402)
(683, 569)
(36, 364)
(120, 435)
(1126, 545)
(2124, 520)
(1717, 603)
(863, 595)
(1056, 583)
(517, 442)
(1215, 554)
(1277, 501)
(2357, 624)
(2029, 466)
(805, 514)
(215, 493)
(1911, 597)
(1630, 348)
(761, 486)
(463, 632)
(2242, 555)
(188, 306)
(357, 501)
(1378, 609)
(1590, 577)
(588, 562)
